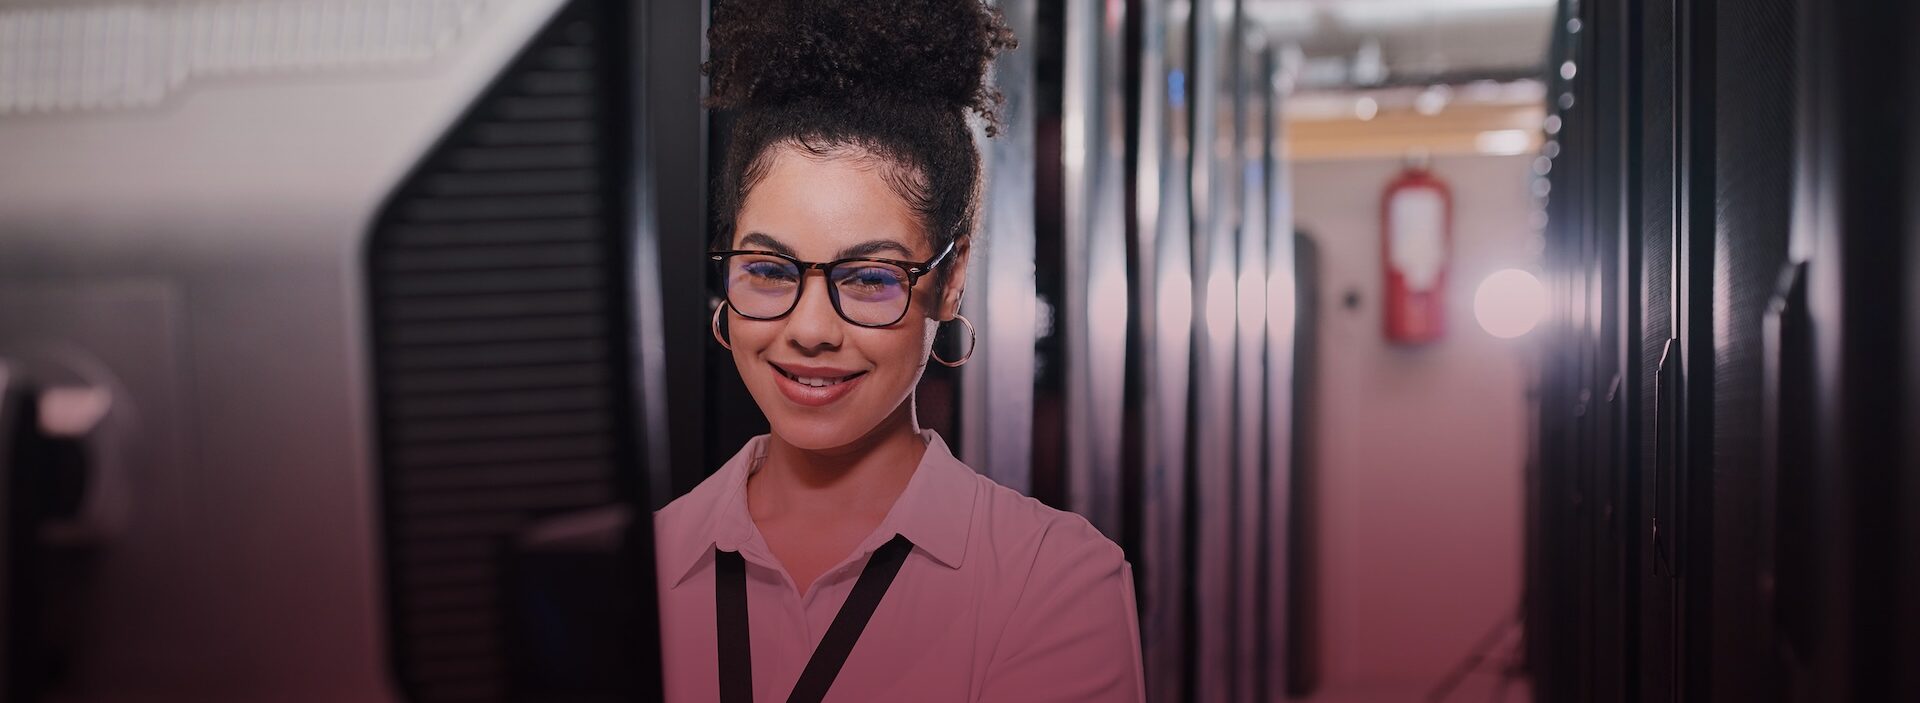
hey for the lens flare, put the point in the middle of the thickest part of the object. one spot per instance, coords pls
(1509, 303)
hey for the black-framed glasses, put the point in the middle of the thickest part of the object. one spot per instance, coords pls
(869, 292)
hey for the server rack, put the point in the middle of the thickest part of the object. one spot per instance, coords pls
(502, 306)
(1717, 419)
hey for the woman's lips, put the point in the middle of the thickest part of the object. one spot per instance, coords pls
(814, 396)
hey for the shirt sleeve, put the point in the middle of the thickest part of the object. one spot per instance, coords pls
(1075, 634)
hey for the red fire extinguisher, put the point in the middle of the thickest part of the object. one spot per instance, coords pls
(1416, 240)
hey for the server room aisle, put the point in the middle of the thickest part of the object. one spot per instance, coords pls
(1421, 449)
(1425, 347)
(1409, 350)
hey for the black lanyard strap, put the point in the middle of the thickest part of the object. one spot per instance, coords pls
(730, 608)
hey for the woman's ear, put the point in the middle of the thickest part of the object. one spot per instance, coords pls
(956, 278)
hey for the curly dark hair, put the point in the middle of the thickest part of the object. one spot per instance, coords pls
(887, 79)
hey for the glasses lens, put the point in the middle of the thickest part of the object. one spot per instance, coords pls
(871, 293)
(760, 285)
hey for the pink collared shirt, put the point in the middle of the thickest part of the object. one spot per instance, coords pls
(1001, 599)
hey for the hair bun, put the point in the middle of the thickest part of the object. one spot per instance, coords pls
(774, 52)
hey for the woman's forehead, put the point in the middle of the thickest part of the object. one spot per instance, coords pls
(820, 206)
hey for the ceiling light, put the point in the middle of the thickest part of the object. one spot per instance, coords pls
(1503, 141)
(1432, 100)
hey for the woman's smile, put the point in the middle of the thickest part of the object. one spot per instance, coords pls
(814, 386)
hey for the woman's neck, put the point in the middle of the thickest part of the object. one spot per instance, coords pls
(859, 480)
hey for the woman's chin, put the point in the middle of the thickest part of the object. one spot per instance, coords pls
(814, 434)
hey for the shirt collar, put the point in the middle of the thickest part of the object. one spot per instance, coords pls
(716, 500)
(935, 511)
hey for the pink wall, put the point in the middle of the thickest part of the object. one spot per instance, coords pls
(1420, 450)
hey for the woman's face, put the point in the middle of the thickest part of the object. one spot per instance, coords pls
(821, 209)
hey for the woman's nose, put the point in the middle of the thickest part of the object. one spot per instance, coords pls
(814, 324)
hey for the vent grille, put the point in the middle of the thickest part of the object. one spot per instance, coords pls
(498, 300)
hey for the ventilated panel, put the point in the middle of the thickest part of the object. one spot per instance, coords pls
(1657, 179)
(500, 350)
(89, 56)
(1754, 193)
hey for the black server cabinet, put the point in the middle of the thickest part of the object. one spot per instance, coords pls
(1722, 505)
(1852, 626)
(503, 310)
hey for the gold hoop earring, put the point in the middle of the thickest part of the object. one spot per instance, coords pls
(972, 341)
(716, 326)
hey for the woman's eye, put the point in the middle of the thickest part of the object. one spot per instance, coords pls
(870, 281)
(874, 277)
(769, 272)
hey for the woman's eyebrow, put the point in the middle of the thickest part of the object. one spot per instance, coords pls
(869, 248)
(765, 240)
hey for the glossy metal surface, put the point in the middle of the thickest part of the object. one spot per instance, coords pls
(1251, 422)
(1165, 228)
(997, 384)
(1093, 156)
(1280, 313)
(1216, 197)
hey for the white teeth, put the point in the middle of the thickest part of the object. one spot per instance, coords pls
(815, 381)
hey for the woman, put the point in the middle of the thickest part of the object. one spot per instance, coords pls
(848, 554)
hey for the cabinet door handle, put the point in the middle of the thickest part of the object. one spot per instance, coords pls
(1665, 484)
(1785, 411)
